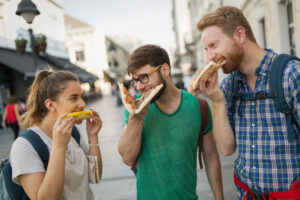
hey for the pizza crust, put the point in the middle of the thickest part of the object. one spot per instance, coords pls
(140, 103)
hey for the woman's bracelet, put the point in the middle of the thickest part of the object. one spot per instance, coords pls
(94, 145)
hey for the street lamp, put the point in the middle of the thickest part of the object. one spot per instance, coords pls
(28, 10)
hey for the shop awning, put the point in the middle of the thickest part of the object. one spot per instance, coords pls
(83, 75)
(25, 64)
(20, 63)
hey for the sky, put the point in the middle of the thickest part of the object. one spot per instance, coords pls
(147, 20)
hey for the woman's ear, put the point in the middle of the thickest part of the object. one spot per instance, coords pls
(50, 105)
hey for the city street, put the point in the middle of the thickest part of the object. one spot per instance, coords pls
(118, 182)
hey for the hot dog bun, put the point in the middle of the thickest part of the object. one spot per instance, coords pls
(208, 70)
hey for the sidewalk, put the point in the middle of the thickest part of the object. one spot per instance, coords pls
(118, 182)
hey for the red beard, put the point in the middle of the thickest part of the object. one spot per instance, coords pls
(234, 58)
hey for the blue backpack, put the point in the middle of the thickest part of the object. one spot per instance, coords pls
(276, 92)
(9, 189)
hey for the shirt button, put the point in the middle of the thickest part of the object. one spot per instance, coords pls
(264, 74)
(253, 146)
(252, 125)
(253, 167)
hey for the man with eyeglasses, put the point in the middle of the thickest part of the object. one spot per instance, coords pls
(163, 137)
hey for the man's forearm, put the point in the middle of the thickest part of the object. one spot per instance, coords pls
(214, 175)
(130, 142)
(223, 133)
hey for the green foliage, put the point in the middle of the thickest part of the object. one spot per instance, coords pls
(21, 41)
(40, 39)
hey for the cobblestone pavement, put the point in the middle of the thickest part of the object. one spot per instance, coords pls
(118, 182)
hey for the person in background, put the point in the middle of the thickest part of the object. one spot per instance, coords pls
(21, 106)
(11, 117)
(53, 95)
(1, 117)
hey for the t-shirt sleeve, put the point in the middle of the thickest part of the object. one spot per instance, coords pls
(210, 122)
(126, 117)
(24, 159)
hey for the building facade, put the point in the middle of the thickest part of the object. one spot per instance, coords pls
(275, 23)
(92, 50)
(17, 70)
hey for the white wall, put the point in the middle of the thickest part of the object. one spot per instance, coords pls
(183, 23)
(50, 22)
(92, 42)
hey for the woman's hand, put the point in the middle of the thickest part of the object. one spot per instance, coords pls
(94, 124)
(62, 131)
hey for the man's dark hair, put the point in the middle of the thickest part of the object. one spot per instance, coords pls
(147, 54)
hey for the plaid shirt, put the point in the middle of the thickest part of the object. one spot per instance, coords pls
(267, 161)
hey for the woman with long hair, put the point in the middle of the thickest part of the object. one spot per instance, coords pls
(53, 95)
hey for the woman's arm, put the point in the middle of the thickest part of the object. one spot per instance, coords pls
(93, 127)
(47, 185)
(50, 185)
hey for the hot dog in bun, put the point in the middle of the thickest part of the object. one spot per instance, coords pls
(137, 104)
(208, 70)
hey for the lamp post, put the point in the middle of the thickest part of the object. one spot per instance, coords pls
(28, 10)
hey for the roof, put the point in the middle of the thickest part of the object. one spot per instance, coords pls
(83, 75)
(25, 64)
(73, 23)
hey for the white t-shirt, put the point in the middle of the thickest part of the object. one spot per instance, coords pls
(25, 160)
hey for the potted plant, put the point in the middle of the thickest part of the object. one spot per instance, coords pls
(21, 45)
(41, 43)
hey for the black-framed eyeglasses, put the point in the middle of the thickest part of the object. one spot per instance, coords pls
(143, 78)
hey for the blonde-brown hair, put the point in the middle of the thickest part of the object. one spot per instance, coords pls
(47, 84)
(227, 18)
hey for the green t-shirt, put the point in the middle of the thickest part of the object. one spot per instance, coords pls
(168, 157)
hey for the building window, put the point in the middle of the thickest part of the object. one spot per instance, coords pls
(79, 56)
(2, 28)
(116, 64)
(291, 25)
(262, 27)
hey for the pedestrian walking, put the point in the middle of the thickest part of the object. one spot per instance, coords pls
(246, 112)
(72, 164)
(11, 117)
(163, 137)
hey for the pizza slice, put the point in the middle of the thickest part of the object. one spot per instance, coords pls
(137, 104)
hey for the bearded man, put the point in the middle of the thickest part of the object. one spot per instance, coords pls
(163, 137)
(246, 116)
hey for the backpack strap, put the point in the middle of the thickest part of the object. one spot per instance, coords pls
(275, 82)
(76, 134)
(38, 145)
(204, 109)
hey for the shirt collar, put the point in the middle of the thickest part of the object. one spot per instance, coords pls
(263, 68)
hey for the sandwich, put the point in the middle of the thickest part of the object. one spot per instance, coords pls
(207, 71)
